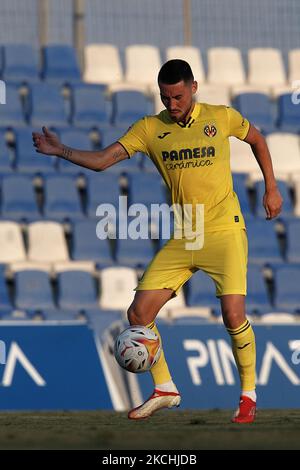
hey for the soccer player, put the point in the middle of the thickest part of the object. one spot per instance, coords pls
(188, 143)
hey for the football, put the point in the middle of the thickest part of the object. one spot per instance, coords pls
(137, 349)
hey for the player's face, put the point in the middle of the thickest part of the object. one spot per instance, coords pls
(178, 98)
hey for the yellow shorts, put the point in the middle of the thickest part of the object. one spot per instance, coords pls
(223, 257)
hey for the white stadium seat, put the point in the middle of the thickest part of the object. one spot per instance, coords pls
(102, 64)
(266, 67)
(225, 66)
(117, 288)
(142, 64)
(47, 242)
(294, 65)
(190, 54)
(213, 94)
(11, 243)
(242, 159)
(285, 151)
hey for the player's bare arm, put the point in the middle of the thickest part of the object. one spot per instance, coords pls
(272, 200)
(49, 143)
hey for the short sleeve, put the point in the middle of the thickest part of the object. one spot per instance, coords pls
(135, 139)
(238, 126)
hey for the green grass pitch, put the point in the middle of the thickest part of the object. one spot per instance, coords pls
(273, 429)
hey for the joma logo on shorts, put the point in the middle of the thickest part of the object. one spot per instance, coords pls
(185, 154)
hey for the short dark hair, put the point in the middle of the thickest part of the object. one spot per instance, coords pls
(174, 71)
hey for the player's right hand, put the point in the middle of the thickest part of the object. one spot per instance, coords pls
(48, 142)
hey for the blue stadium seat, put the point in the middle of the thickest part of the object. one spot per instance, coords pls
(59, 315)
(5, 162)
(288, 114)
(75, 138)
(5, 302)
(134, 252)
(147, 165)
(262, 241)
(76, 290)
(33, 290)
(21, 63)
(257, 108)
(90, 106)
(12, 114)
(102, 188)
(100, 320)
(201, 291)
(60, 64)
(87, 246)
(129, 106)
(47, 107)
(287, 206)
(240, 188)
(62, 201)
(257, 300)
(27, 160)
(293, 241)
(287, 292)
(18, 199)
(146, 188)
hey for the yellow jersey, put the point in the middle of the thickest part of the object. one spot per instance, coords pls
(194, 159)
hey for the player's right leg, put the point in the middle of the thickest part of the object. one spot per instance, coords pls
(143, 311)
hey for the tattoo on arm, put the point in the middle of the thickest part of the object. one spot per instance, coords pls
(118, 154)
(67, 153)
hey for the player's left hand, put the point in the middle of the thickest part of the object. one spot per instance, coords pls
(272, 202)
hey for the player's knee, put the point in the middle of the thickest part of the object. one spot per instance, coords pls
(134, 315)
(233, 318)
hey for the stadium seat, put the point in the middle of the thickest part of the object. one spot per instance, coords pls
(293, 241)
(288, 114)
(27, 160)
(46, 242)
(33, 290)
(102, 188)
(257, 300)
(128, 107)
(62, 201)
(240, 188)
(12, 113)
(90, 108)
(21, 63)
(12, 246)
(76, 290)
(296, 182)
(201, 291)
(266, 67)
(87, 246)
(242, 159)
(142, 64)
(100, 319)
(60, 64)
(257, 108)
(75, 138)
(5, 161)
(5, 302)
(287, 206)
(262, 242)
(213, 94)
(59, 315)
(281, 145)
(190, 54)
(287, 293)
(47, 106)
(102, 64)
(18, 199)
(134, 253)
(146, 189)
(294, 65)
(117, 288)
(278, 318)
(225, 66)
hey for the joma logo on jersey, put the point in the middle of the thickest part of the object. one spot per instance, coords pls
(210, 131)
(185, 154)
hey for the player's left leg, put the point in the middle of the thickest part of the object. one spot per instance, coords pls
(244, 351)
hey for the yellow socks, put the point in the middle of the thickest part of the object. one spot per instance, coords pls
(160, 372)
(243, 348)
